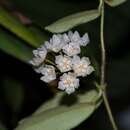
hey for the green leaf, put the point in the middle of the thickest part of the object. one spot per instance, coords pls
(14, 47)
(90, 96)
(73, 20)
(52, 103)
(59, 118)
(114, 3)
(12, 24)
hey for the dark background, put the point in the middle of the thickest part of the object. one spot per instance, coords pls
(21, 91)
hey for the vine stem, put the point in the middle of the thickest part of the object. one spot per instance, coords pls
(103, 66)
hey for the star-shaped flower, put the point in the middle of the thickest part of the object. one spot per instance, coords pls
(82, 66)
(64, 63)
(56, 43)
(68, 82)
(71, 49)
(48, 72)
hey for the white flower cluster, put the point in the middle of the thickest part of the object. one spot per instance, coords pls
(66, 48)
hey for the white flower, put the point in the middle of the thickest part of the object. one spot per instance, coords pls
(71, 49)
(56, 43)
(47, 45)
(66, 47)
(48, 72)
(65, 38)
(64, 63)
(82, 66)
(75, 37)
(84, 40)
(68, 82)
(39, 56)
(39, 69)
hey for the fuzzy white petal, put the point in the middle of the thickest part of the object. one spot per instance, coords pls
(85, 40)
(36, 61)
(47, 45)
(90, 69)
(66, 38)
(76, 59)
(39, 69)
(56, 39)
(70, 90)
(75, 37)
(61, 86)
(85, 60)
(70, 34)
(48, 73)
(56, 43)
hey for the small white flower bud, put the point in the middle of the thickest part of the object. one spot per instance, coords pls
(39, 56)
(84, 40)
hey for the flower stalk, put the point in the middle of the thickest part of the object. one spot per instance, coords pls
(103, 66)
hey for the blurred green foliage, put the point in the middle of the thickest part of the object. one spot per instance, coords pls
(21, 91)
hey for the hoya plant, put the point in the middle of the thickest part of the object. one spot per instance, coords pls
(56, 54)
